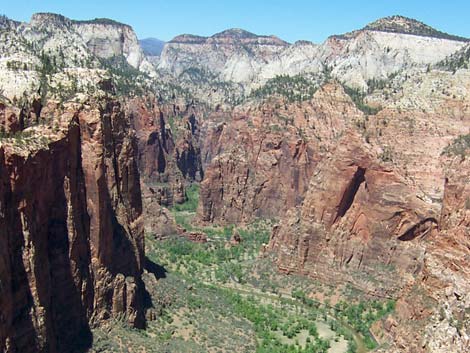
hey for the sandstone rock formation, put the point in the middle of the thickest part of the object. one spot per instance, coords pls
(359, 222)
(56, 55)
(107, 39)
(159, 222)
(432, 315)
(89, 158)
(72, 242)
(281, 146)
(383, 215)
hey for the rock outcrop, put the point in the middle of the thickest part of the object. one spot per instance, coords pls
(354, 174)
(107, 39)
(235, 55)
(432, 315)
(159, 222)
(281, 146)
(72, 243)
(359, 223)
(383, 215)
(168, 139)
(447, 272)
(53, 54)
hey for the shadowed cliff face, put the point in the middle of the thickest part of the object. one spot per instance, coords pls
(168, 140)
(72, 246)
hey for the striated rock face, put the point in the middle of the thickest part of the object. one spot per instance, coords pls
(432, 316)
(72, 248)
(359, 187)
(168, 139)
(384, 215)
(447, 272)
(359, 222)
(54, 55)
(260, 160)
(104, 38)
(158, 220)
(369, 54)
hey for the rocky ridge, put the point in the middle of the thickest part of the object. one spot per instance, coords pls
(384, 47)
(375, 202)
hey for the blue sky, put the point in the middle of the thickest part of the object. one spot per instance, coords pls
(291, 20)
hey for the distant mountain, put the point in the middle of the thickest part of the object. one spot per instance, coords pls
(152, 46)
(374, 52)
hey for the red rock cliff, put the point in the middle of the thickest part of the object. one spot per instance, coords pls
(360, 223)
(260, 158)
(71, 251)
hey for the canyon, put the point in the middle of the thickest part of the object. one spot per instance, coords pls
(350, 157)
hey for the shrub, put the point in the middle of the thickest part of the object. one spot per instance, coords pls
(358, 97)
(192, 200)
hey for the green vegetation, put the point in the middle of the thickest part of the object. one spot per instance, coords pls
(205, 80)
(213, 259)
(387, 154)
(358, 97)
(127, 80)
(24, 139)
(192, 195)
(294, 88)
(267, 320)
(459, 147)
(17, 65)
(377, 84)
(102, 21)
(361, 316)
(413, 26)
(459, 60)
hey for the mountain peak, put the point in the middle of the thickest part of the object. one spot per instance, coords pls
(406, 25)
(189, 39)
(241, 35)
(231, 36)
(237, 33)
(51, 19)
(396, 22)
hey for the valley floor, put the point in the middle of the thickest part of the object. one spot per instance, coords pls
(220, 296)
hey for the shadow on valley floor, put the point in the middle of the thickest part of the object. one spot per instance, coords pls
(157, 270)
